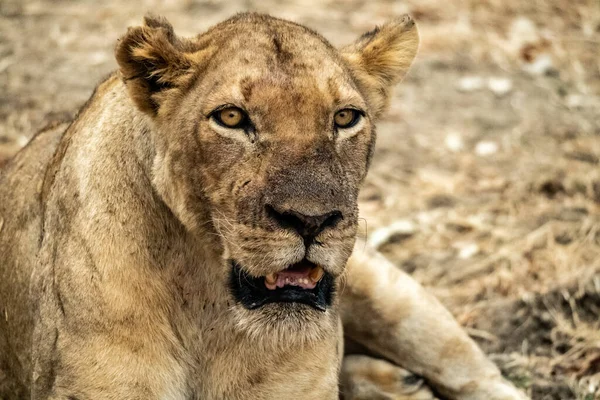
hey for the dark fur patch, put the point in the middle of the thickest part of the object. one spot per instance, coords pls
(368, 36)
(247, 86)
(53, 363)
(256, 378)
(283, 55)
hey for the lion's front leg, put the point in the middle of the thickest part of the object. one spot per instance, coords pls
(390, 314)
(102, 367)
(106, 352)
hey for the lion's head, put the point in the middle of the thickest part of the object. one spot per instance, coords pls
(263, 134)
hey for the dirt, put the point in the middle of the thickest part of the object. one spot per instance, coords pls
(486, 181)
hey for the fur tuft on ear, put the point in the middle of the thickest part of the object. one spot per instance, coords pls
(157, 21)
(153, 59)
(380, 59)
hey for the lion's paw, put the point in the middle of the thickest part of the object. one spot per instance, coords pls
(367, 378)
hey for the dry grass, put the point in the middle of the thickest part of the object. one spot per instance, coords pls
(510, 241)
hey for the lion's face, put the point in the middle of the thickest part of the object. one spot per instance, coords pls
(264, 134)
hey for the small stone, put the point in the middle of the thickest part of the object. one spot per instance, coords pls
(454, 142)
(470, 83)
(468, 250)
(523, 30)
(22, 140)
(500, 86)
(575, 101)
(541, 65)
(486, 148)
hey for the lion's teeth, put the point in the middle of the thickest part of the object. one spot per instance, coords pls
(271, 279)
(316, 274)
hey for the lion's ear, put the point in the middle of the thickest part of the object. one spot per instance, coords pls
(379, 59)
(152, 59)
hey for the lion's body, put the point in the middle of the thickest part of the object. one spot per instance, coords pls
(192, 335)
(175, 340)
(114, 279)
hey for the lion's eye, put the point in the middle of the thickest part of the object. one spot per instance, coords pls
(346, 118)
(231, 117)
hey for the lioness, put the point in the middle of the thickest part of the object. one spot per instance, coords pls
(188, 235)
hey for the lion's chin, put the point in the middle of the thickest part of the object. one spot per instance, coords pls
(300, 285)
(286, 325)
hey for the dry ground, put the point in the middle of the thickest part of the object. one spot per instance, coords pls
(486, 182)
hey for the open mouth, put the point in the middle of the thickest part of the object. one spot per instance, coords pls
(303, 282)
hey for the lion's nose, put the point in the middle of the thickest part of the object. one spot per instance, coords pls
(307, 226)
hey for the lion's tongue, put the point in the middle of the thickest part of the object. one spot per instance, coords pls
(304, 277)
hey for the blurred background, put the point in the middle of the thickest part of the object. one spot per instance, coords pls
(486, 182)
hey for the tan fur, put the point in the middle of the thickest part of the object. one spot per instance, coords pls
(117, 233)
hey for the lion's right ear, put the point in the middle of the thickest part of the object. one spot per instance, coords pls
(152, 60)
(380, 59)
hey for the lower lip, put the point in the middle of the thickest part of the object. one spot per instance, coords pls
(252, 293)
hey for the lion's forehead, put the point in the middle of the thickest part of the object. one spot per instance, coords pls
(270, 90)
(277, 54)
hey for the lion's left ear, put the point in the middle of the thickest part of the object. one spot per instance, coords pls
(379, 59)
(152, 60)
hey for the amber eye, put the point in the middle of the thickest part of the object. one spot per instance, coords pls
(231, 117)
(346, 118)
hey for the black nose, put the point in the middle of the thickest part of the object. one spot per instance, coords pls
(307, 226)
